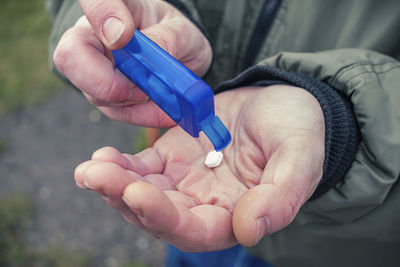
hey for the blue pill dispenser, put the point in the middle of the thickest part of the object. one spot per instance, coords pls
(180, 93)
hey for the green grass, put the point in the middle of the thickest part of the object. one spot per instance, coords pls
(17, 214)
(3, 145)
(139, 143)
(25, 78)
(16, 217)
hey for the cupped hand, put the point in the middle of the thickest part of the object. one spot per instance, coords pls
(83, 54)
(270, 169)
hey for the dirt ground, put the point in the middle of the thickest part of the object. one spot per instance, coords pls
(44, 145)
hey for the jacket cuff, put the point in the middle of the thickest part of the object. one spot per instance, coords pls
(65, 14)
(342, 135)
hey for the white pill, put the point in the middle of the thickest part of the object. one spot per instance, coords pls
(214, 159)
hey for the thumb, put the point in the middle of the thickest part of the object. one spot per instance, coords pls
(262, 210)
(288, 180)
(111, 21)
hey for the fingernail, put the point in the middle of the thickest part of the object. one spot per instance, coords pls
(86, 185)
(263, 228)
(80, 185)
(133, 207)
(113, 28)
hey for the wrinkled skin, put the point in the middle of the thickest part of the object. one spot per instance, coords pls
(84, 56)
(270, 169)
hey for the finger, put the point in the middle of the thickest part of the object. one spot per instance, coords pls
(143, 163)
(111, 21)
(110, 180)
(288, 181)
(183, 41)
(146, 114)
(80, 172)
(136, 96)
(148, 164)
(114, 201)
(148, 161)
(129, 215)
(110, 154)
(201, 228)
(261, 211)
(80, 57)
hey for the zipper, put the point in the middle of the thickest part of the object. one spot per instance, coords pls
(261, 30)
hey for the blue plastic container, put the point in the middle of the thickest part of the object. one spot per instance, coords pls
(186, 98)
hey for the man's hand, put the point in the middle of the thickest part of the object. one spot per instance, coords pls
(84, 56)
(270, 169)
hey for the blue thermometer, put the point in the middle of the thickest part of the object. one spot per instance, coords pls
(186, 98)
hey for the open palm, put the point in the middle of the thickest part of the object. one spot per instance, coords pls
(270, 169)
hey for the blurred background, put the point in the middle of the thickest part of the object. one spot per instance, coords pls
(46, 130)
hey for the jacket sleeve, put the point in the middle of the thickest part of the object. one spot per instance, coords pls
(370, 82)
(64, 14)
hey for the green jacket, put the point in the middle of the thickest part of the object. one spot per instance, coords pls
(352, 46)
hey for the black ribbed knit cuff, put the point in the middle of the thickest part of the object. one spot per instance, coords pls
(342, 135)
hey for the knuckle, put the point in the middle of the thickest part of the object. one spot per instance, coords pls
(64, 50)
(95, 10)
(92, 5)
(59, 58)
(96, 102)
(171, 38)
(123, 114)
(104, 92)
(82, 21)
(166, 37)
(60, 55)
(292, 206)
(109, 93)
(160, 118)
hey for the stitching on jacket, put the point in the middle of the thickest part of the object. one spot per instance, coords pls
(352, 66)
(342, 71)
(371, 71)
